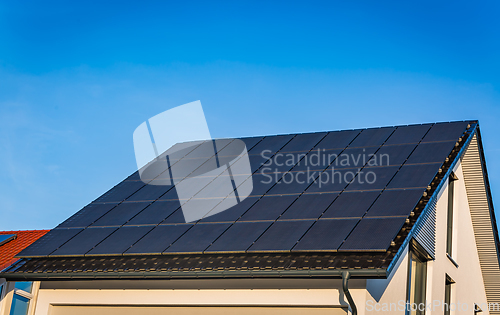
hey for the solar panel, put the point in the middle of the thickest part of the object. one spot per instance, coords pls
(303, 142)
(176, 217)
(296, 202)
(326, 235)
(155, 213)
(268, 208)
(200, 187)
(157, 172)
(121, 214)
(195, 209)
(270, 144)
(220, 187)
(233, 213)
(291, 183)
(87, 215)
(192, 167)
(49, 242)
(120, 240)
(149, 193)
(250, 142)
(84, 241)
(317, 160)
(391, 155)
(309, 206)
(446, 131)
(373, 178)
(257, 161)
(281, 164)
(198, 238)
(204, 150)
(373, 234)
(431, 152)
(180, 150)
(170, 195)
(372, 137)
(210, 166)
(408, 134)
(351, 204)
(281, 236)
(156, 241)
(239, 237)
(233, 150)
(353, 158)
(221, 144)
(201, 160)
(262, 183)
(337, 139)
(5, 238)
(121, 191)
(331, 181)
(179, 161)
(395, 203)
(412, 176)
(160, 172)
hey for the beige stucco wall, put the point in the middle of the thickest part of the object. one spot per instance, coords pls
(185, 297)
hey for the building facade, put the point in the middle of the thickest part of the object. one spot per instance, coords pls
(436, 253)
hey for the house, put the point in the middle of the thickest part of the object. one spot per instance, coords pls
(11, 244)
(393, 220)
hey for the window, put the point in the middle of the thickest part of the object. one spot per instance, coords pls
(451, 201)
(21, 298)
(417, 274)
(447, 295)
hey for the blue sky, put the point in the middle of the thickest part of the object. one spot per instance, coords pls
(76, 79)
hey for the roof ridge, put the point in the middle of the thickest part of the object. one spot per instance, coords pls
(472, 121)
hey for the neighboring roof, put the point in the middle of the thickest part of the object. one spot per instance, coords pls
(19, 241)
(279, 227)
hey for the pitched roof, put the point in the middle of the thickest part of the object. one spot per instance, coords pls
(340, 224)
(20, 241)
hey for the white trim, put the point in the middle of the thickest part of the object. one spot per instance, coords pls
(23, 293)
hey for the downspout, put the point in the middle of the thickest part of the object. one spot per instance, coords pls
(345, 286)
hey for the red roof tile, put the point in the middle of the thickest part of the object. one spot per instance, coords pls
(12, 248)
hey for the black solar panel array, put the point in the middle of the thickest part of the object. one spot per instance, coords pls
(329, 191)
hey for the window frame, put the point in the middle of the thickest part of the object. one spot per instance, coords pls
(450, 216)
(448, 294)
(416, 253)
(3, 293)
(11, 291)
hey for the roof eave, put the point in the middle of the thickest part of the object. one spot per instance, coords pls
(216, 274)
